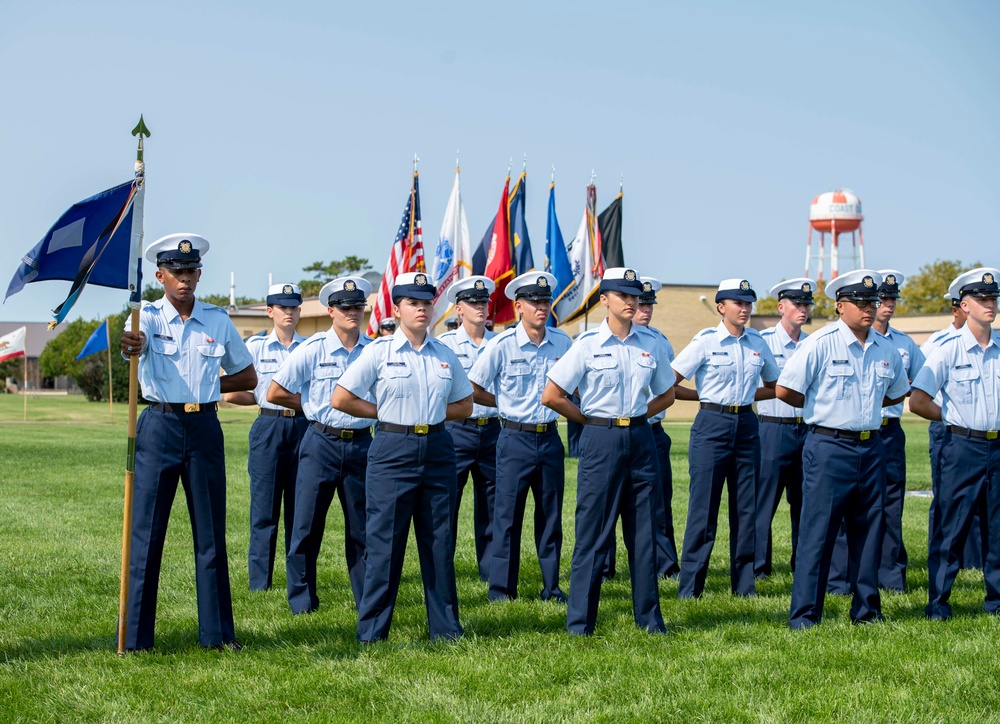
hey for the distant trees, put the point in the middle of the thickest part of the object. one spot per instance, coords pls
(323, 273)
(91, 373)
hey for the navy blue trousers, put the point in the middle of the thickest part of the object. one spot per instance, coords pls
(843, 481)
(893, 560)
(723, 448)
(328, 466)
(272, 464)
(667, 563)
(617, 474)
(410, 477)
(780, 473)
(476, 454)
(975, 545)
(573, 432)
(527, 461)
(189, 447)
(970, 479)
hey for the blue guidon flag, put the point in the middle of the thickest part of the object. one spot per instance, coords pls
(96, 241)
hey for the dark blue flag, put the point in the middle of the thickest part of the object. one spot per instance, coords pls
(524, 260)
(556, 258)
(98, 342)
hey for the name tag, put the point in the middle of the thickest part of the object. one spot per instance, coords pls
(963, 367)
(839, 362)
(395, 364)
(328, 364)
(598, 356)
(268, 360)
(519, 361)
(779, 355)
(462, 354)
(163, 336)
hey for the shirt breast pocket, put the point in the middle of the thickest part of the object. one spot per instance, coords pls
(839, 379)
(606, 371)
(164, 357)
(721, 367)
(645, 369)
(397, 381)
(515, 380)
(961, 384)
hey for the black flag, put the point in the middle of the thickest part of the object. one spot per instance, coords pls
(610, 223)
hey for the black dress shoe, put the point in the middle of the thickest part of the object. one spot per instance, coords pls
(557, 595)
(234, 646)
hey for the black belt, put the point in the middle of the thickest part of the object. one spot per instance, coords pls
(530, 427)
(981, 434)
(410, 429)
(268, 412)
(731, 409)
(617, 421)
(184, 406)
(780, 420)
(479, 421)
(846, 434)
(344, 433)
(886, 421)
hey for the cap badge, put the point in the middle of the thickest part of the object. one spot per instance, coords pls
(629, 275)
(185, 247)
(480, 286)
(987, 278)
(890, 279)
(287, 289)
(350, 286)
(807, 287)
(543, 282)
(745, 285)
(868, 282)
(647, 287)
(420, 280)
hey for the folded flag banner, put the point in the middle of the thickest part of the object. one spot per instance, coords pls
(98, 342)
(12, 344)
(452, 259)
(407, 255)
(556, 260)
(95, 241)
(524, 260)
(585, 259)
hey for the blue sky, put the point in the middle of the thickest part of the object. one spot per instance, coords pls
(284, 132)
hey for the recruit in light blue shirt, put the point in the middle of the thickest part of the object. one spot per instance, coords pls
(515, 370)
(668, 350)
(465, 349)
(968, 378)
(314, 369)
(932, 343)
(913, 360)
(268, 353)
(727, 369)
(844, 383)
(410, 387)
(181, 360)
(782, 348)
(616, 378)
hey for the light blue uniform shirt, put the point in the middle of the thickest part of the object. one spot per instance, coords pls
(410, 387)
(913, 360)
(968, 378)
(465, 349)
(182, 359)
(615, 377)
(669, 352)
(727, 370)
(268, 353)
(844, 383)
(782, 348)
(515, 370)
(932, 343)
(314, 369)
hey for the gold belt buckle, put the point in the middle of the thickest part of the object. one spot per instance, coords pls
(885, 421)
(346, 434)
(865, 434)
(992, 434)
(733, 409)
(288, 413)
(482, 421)
(421, 429)
(622, 422)
(542, 427)
(798, 420)
(191, 407)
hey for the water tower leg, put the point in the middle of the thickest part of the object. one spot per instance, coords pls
(861, 247)
(834, 251)
(822, 254)
(809, 241)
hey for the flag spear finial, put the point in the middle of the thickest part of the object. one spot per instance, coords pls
(140, 130)
(510, 163)
(621, 183)
(458, 166)
(553, 173)
(593, 176)
(524, 164)
(416, 160)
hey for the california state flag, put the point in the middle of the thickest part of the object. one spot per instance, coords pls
(12, 345)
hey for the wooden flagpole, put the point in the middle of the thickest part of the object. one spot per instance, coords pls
(135, 302)
(111, 395)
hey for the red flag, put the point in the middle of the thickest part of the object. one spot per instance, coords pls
(407, 255)
(500, 262)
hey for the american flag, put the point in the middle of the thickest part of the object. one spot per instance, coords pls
(407, 255)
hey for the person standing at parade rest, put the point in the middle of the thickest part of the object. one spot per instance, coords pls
(274, 436)
(182, 343)
(972, 555)
(965, 369)
(623, 378)
(841, 376)
(333, 454)
(727, 363)
(782, 432)
(417, 383)
(510, 374)
(475, 437)
(667, 563)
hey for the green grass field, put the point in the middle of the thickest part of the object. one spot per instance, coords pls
(724, 658)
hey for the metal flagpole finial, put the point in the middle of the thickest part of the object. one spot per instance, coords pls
(524, 164)
(621, 183)
(140, 130)
(458, 166)
(416, 160)
(553, 173)
(593, 176)
(510, 164)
